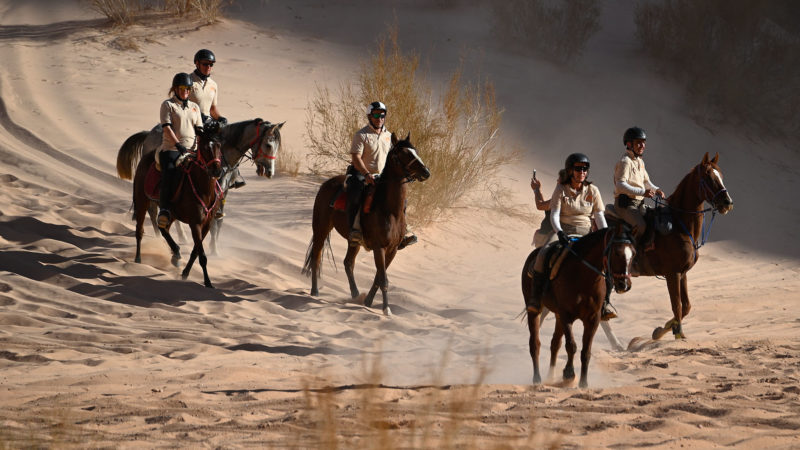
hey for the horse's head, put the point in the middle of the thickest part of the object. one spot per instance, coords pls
(711, 187)
(209, 152)
(403, 159)
(266, 151)
(619, 254)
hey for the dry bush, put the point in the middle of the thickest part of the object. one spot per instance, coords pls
(288, 162)
(455, 134)
(555, 29)
(123, 13)
(739, 66)
(119, 12)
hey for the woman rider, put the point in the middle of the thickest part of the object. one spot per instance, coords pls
(179, 117)
(575, 202)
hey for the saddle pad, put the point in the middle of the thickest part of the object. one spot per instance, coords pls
(340, 201)
(152, 182)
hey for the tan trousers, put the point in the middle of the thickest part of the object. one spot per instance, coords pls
(634, 216)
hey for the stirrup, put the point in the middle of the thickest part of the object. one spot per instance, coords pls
(163, 219)
(408, 240)
(356, 238)
(608, 311)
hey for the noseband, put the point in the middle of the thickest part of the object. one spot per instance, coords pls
(617, 239)
(260, 140)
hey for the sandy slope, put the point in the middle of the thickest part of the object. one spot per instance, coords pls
(96, 349)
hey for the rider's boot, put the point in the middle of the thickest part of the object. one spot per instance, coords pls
(533, 303)
(165, 198)
(238, 179)
(355, 237)
(608, 312)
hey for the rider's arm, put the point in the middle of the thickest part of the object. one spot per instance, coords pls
(626, 188)
(600, 220)
(358, 164)
(555, 210)
(170, 135)
(214, 112)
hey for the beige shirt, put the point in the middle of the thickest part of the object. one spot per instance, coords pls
(576, 206)
(373, 147)
(630, 170)
(182, 119)
(204, 93)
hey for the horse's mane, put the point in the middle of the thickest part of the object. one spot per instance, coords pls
(588, 240)
(233, 133)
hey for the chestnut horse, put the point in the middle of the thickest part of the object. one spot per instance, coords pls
(383, 227)
(677, 251)
(593, 263)
(195, 201)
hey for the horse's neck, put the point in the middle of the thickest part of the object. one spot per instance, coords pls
(592, 248)
(393, 193)
(686, 204)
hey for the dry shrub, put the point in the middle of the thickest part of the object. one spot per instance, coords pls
(739, 59)
(455, 134)
(123, 13)
(555, 29)
(288, 162)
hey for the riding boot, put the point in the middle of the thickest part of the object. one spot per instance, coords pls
(533, 302)
(608, 312)
(237, 179)
(165, 197)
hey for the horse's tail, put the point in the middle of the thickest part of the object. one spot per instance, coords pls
(310, 257)
(129, 154)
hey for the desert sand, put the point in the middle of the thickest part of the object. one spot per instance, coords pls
(98, 351)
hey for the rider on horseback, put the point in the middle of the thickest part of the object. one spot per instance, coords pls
(368, 153)
(575, 202)
(179, 117)
(204, 93)
(632, 185)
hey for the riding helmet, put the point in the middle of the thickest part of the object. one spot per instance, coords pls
(376, 106)
(181, 79)
(576, 158)
(633, 133)
(204, 55)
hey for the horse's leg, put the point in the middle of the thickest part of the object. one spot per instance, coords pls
(612, 339)
(201, 254)
(572, 347)
(674, 288)
(389, 256)
(686, 306)
(589, 330)
(198, 245)
(555, 346)
(349, 263)
(176, 250)
(141, 211)
(534, 344)
(380, 281)
(216, 226)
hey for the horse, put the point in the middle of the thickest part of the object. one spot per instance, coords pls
(676, 252)
(195, 201)
(383, 227)
(261, 138)
(593, 264)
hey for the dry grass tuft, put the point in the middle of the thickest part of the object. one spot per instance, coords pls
(455, 133)
(288, 162)
(123, 13)
(555, 29)
(738, 59)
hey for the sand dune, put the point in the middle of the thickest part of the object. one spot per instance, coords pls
(96, 350)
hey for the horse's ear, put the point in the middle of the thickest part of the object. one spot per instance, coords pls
(716, 158)
(394, 139)
(281, 125)
(705, 159)
(408, 137)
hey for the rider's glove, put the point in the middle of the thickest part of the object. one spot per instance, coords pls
(181, 148)
(562, 238)
(182, 158)
(222, 121)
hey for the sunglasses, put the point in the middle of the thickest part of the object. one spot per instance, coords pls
(207, 64)
(378, 115)
(580, 168)
(183, 87)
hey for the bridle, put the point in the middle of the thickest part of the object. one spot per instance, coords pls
(204, 164)
(624, 239)
(406, 168)
(259, 138)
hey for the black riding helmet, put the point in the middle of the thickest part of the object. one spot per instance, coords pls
(576, 158)
(204, 55)
(633, 133)
(181, 79)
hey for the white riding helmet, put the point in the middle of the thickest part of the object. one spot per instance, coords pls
(376, 106)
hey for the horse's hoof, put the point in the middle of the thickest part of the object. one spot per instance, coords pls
(176, 261)
(569, 373)
(209, 285)
(315, 292)
(184, 276)
(680, 335)
(583, 383)
(368, 302)
(387, 312)
(137, 260)
(659, 332)
(537, 379)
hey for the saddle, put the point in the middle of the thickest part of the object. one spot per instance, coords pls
(152, 183)
(339, 202)
(554, 256)
(658, 218)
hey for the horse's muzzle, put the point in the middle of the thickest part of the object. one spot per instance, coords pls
(423, 174)
(265, 170)
(623, 284)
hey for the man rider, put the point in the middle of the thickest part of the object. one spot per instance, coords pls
(632, 185)
(368, 153)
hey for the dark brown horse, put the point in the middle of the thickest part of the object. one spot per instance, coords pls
(195, 201)
(677, 252)
(383, 227)
(578, 291)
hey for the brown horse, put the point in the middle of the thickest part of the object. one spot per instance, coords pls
(594, 262)
(676, 252)
(195, 200)
(383, 227)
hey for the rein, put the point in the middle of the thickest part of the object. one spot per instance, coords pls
(200, 162)
(259, 138)
(608, 275)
